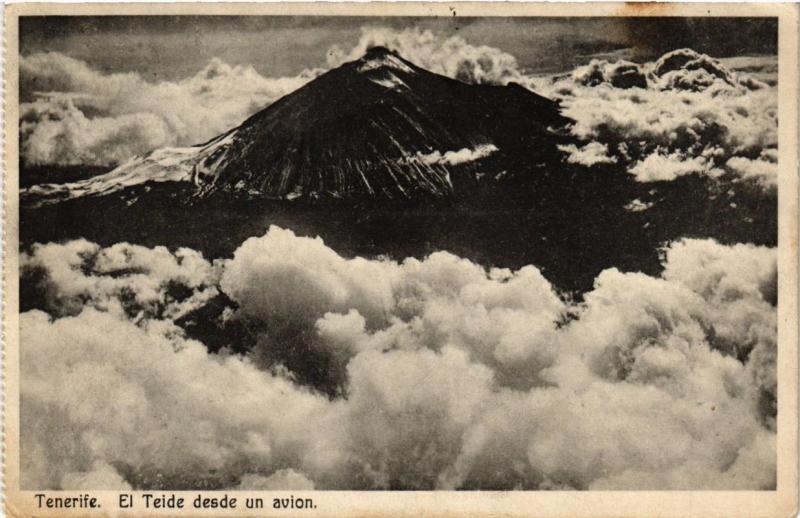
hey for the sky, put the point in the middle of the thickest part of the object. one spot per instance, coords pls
(174, 47)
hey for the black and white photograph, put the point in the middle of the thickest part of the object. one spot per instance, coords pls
(455, 252)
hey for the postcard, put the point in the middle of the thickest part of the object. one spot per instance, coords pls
(400, 259)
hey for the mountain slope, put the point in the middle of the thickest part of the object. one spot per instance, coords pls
(380, 125)
(377, 126)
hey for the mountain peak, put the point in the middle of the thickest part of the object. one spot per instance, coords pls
(383, 58)
(378, 51)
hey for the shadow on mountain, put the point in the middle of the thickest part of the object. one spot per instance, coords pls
(571, 224)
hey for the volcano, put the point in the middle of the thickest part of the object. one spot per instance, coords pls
(379, 126)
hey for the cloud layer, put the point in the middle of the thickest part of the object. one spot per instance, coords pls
(73, 114)
(685, 113)
(453, 376)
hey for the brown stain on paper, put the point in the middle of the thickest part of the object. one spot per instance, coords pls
(645, 9)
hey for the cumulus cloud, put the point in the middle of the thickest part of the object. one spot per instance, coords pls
(55, 131)
(677, 119)
(664, 167)
(115, 391)
(74, 114)
(620, 74)
(121, 279)
(100, 476)
(588, 155)
(451, 56)
(456, 376)
(680, 69)
(762, 170)
(739, 281)
(685, 69)
(692, 115)
(306, 280)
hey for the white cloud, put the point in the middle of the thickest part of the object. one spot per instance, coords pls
(620, 74)
(692, 109)
(739, 281)
(168, 164)
(120, 279)
(452, 56)
(120, 393)
(765, 172)
(102, 477)
(457, 376)
(136, 115)
(55, 131)
(685, 69)
(306, 279)
(659, 167)
(689, 121)
(591, 154)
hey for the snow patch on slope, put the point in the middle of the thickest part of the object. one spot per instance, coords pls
(385, 60)
(457, 157)
(638, 205)
(170, 164)
(390, 81)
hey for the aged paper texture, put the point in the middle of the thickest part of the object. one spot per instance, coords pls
(404, 259)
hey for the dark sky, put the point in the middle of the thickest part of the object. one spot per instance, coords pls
(172, 47)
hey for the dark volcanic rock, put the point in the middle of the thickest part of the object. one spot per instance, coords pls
(381, 126)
